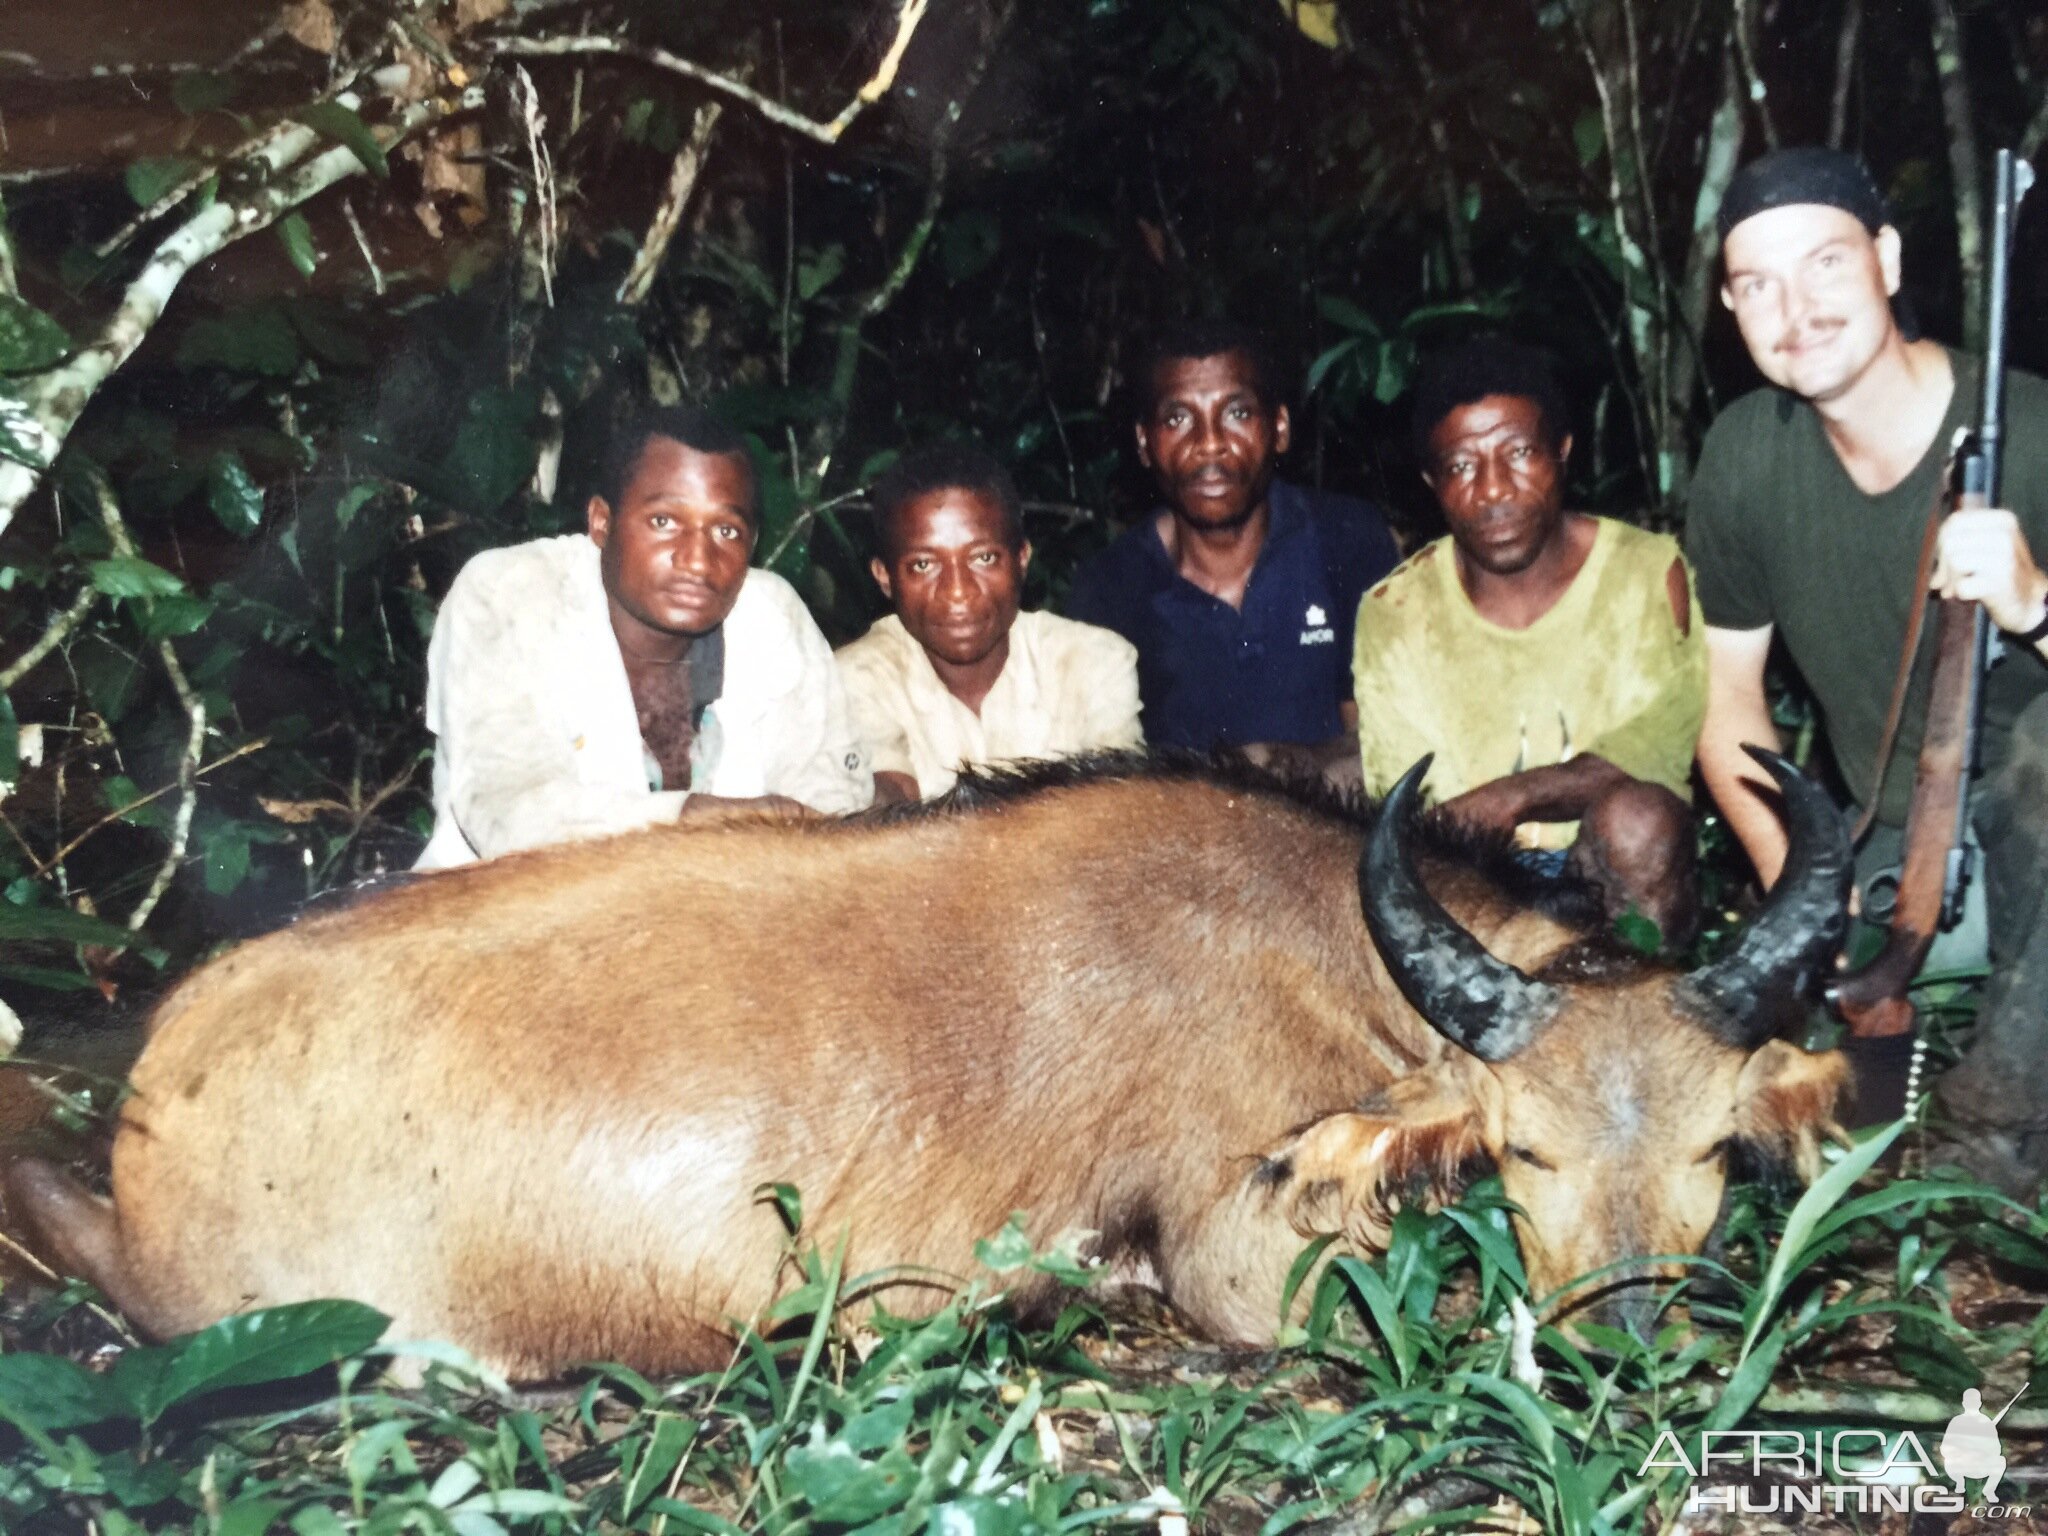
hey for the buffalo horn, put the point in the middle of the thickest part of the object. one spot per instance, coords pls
(1474, 1000)
(1800, 928)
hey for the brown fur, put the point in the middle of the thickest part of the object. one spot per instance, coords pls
(525, 1105)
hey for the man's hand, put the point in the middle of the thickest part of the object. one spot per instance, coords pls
(710, 810)
(1562, 792)
(1982, 557)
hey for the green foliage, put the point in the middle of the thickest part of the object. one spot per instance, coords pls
(133, 576)
(296, 235)
(19, 437)
(1418, 1374)
(233, 495)
(344, 126)
(148, 180)
(30, 340)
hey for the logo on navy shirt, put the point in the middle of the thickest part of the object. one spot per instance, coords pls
(1318, 631)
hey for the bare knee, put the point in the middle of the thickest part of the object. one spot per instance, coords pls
(1640, 825)
(1636, 843)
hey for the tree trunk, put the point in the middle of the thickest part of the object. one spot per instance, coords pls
(1965, 166)
(1722, 153)
(1845, 71)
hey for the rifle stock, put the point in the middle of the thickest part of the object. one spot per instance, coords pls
(1873, 1000)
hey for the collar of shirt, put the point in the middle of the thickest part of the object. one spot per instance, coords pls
(1286, 519)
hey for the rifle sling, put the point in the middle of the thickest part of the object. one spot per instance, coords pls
(1916, 621)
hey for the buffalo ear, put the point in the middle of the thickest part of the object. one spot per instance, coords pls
(1785, 1104)
(1418, 1142)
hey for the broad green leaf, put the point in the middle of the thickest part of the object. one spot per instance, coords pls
(1924, 1350)
(10, 742)
(330, 332)
(353, 500)
(149, 179)
(493, 451)
(297, 237)
(647, 1474)
(318, 1520)
(1009, 1249)
(1589, 136)
(257, 340)
(816, 271)
(236, 499)
(334, 121)
(249, 1517)
(170, 616)
(51, 1392)
(46, 977)
(226, 862)
(133, 576)
(1638, 932)
(30, 340)
(841, 1487)
(276, 1344)
(518, 1501)
(62, 924)
(1328, 359)
(1347, 315)
(199, 90)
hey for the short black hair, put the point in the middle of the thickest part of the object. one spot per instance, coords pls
(1181, 340)
(691, 425)
(941, 467)
(1488, 364)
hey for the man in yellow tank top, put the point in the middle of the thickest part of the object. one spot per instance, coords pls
(1549, 659)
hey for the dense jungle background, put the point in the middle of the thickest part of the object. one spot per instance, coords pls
(303, 304)
(300, 306)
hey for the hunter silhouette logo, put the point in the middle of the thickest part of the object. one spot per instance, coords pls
(1969, 1446)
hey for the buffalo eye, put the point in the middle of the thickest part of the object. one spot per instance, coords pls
(1523, 1154)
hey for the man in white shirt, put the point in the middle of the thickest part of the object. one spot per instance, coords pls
(957, 676)
(636, 674)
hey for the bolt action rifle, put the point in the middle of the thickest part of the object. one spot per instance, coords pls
(1936, 861)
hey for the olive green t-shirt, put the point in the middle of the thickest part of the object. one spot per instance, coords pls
(1779, 534)
(1606, 671)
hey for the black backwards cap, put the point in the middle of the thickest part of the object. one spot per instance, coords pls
(1808, 174)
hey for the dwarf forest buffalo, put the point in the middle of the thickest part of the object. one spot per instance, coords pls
(527, 1105)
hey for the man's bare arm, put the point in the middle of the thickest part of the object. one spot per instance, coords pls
(1738, 714)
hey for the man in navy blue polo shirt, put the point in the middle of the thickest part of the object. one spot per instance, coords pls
(1240, 591)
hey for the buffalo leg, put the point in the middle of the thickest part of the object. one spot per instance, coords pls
(82, 1232)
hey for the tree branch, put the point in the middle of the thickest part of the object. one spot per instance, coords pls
(10, 284)
(1845, 71)
(1745, 48)
(668, 217)
(195, 713)
(1963, 165)
(2036, 133)
(50, 639)
(1703, 247)
(300, 170)
(847, 363)
(776, 112)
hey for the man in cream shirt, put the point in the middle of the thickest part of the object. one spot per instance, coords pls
(957, 676)
(635, 674)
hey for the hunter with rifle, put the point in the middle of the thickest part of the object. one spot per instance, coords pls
(1808, 515)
